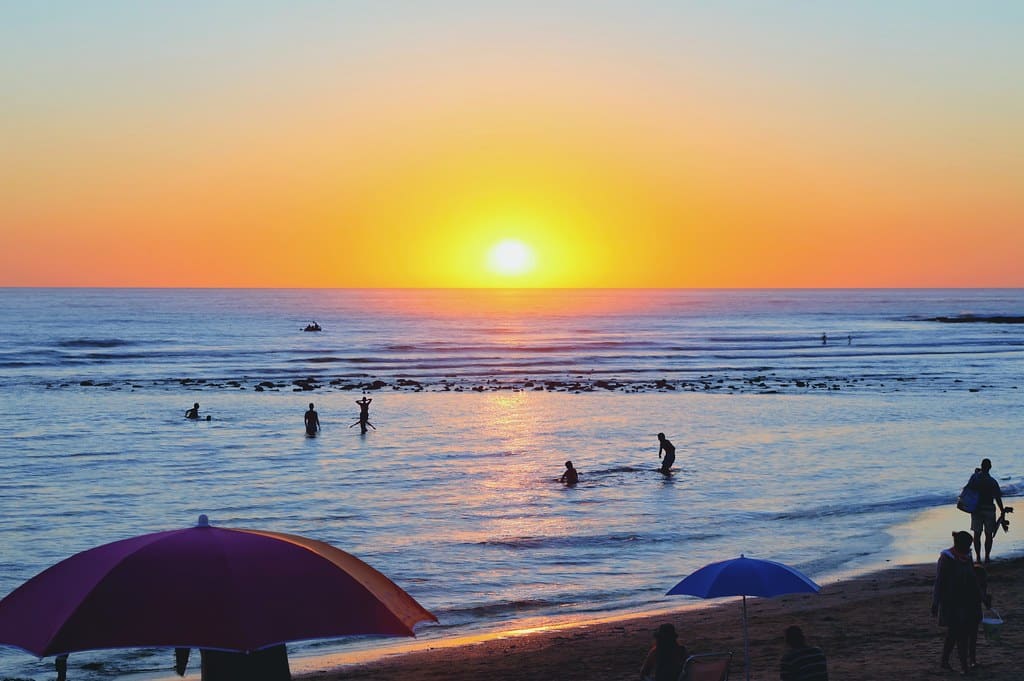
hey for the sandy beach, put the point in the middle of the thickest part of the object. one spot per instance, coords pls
(873, 627)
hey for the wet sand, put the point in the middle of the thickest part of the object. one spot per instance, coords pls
(877, 626)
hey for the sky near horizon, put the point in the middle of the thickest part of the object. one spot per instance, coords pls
(565, 144)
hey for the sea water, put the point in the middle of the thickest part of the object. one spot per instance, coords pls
(833, 455)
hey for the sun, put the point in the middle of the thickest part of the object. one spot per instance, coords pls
(510, 258)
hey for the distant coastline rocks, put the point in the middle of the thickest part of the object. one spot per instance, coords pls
(978, 319)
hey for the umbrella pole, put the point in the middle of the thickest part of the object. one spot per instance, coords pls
(746, 641)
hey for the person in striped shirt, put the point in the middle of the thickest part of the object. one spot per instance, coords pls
(802, 662)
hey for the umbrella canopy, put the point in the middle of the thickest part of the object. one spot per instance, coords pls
(744, 577)
(204, 587)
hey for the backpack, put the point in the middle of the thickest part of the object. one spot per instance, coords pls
(968, 499)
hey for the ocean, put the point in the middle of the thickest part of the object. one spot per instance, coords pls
(837, 454)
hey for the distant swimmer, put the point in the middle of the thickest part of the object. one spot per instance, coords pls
(670, 453)
(364, 414)
(571, 476)
(824, 338)
(312, 420)
(193, 413)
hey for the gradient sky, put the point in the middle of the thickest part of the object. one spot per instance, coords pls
(668, 144)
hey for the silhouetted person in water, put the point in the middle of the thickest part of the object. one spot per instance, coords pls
(364, 413)
(60, 663)
(193, 413)
(670, 453)
(312, 421)
(571, 476)
(824, 338)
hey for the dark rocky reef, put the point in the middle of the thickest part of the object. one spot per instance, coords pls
(979, 319)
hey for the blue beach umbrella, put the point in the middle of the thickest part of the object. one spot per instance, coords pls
(744, 577)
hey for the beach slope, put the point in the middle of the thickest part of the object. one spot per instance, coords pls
(877, 626)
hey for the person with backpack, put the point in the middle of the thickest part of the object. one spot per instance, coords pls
(983, 517)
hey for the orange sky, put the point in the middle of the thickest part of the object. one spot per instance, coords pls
(654, 146)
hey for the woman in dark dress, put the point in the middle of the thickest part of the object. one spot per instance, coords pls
(957, 599)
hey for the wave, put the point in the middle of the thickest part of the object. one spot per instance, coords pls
(577, 541)
(94, 343)
(902, 504)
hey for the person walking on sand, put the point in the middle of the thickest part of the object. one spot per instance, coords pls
(956, 599)
(312, 420)
(665, 659)
(981, 575)
(669, 449)
(364, 413)
(983, 517)
(571, 476)
(802, 662)
(193, 413)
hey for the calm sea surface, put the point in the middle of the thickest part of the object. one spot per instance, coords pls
(828, 456)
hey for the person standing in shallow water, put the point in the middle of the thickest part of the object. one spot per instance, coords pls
(571, 476)
(312, 420)
(193, 413)
(364, 412)
(669, 450)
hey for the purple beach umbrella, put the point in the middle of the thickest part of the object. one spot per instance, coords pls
(204, 587)
(744, 577)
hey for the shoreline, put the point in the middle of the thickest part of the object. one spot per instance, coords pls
(877, 625)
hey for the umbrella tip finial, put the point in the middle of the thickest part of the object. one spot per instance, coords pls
(203, 521)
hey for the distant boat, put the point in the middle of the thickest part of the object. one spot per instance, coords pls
(312, 327)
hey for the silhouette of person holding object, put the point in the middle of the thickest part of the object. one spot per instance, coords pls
(364, 413)
(193, 413)
(670, 453)
(312, 420)
(957, 599)
(571, 476)
(981, 576)
(983, 517)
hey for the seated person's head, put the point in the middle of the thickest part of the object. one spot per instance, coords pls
(795, 637)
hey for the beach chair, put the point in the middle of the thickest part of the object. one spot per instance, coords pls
(706, 667)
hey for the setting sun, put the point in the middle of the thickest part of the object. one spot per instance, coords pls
(510, 258)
